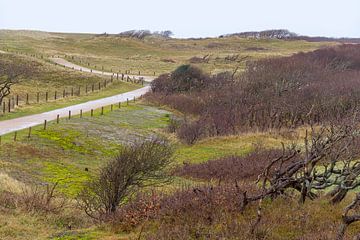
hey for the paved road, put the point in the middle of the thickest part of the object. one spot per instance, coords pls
(16, 124)
(68, 64)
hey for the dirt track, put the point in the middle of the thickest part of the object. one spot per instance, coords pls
(68, 64)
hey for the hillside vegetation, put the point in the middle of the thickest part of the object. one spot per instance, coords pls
(151, 54)
(240, 138)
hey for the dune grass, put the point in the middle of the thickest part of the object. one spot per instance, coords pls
(151, 54)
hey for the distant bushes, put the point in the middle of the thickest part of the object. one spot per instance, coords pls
(306, 88)
(141, 34)
(186, 78)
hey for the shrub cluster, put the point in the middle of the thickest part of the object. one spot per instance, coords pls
(306, 88)
(230, 168)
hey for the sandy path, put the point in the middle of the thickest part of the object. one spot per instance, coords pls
(16, 124)
(68, 64)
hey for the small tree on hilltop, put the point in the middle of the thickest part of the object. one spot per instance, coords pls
(138, 165)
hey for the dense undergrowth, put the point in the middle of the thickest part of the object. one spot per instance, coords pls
(306, 88)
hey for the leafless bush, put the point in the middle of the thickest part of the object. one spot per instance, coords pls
(38, 198)
(190, 132)
(186, 78)
(138, 165)
(43, 199)
(307, 88)
(328, 160)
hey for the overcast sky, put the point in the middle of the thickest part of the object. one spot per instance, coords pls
(186, 18)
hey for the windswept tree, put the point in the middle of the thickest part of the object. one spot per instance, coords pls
(138, 165)
(12, 72)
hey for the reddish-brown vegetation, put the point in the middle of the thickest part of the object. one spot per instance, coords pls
(230, 169)
(306, 88)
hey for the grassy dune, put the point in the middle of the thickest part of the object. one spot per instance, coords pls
(151, 54)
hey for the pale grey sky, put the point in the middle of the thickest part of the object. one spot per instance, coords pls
(186, 18)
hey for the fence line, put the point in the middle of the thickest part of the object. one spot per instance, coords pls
(11, 102)
(47, 56)
(66, 118)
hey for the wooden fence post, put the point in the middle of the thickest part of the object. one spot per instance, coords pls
(64, 93)
(15, 136)
(45, 123)
(69, 115)
(4, 107)
(29, 133)
(127, 101)
(102, 110)
(37, 97)
(9, 105)
(81, 113)
(46, 96)
(92, 112)
(27, 98)
(55, 96)
(17, 100)
(119, 104)
(111, 107)
(57, 119)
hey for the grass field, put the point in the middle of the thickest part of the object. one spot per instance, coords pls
(71, 152)
(48, 78)
(151, 54)
(63, 151)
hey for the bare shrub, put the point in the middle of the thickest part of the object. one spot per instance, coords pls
(138, 165)
(43, 199)
(190, 132)
(280, 93)
(185, 78)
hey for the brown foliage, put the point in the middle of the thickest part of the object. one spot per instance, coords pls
(230, 169)
(306, 88)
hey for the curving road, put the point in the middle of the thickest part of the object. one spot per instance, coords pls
(68, 64)
(16, 124)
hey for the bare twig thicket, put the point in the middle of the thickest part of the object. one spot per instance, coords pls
(306, 88)
(137, 165)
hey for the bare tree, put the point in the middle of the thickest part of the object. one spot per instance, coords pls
(10, 74)
(138, 165)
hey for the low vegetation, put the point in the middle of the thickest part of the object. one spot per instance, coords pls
(307, 88)
(266, 150)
